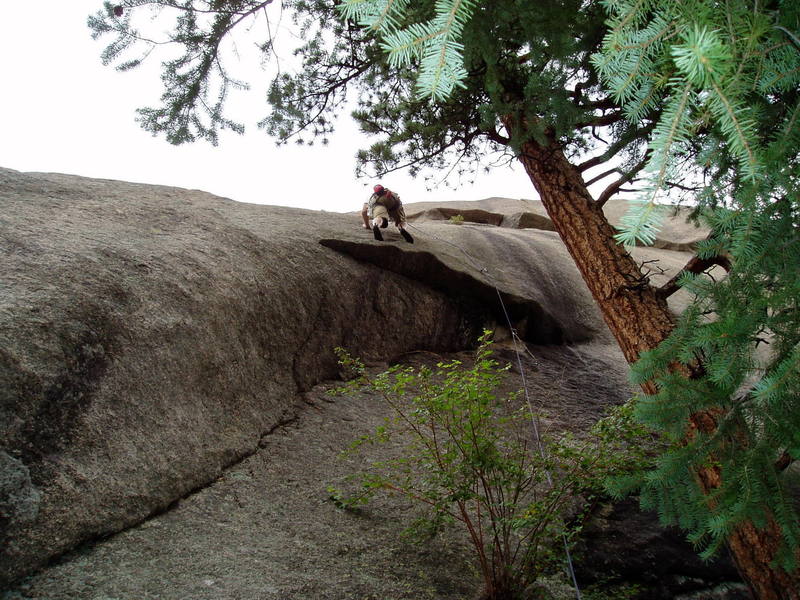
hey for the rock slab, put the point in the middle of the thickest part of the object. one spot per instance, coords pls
(152, 336)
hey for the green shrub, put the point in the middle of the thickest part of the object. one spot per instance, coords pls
(470, 459)
(457, 219)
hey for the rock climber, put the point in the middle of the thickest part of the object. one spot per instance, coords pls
(381, 206)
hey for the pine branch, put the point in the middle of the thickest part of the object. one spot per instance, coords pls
(685, 188)
(601, 120)
(497, 137)
(740, 134)
(602, 175)
(376, 15)
(792, 36)
(436, 43)
(616, 147)
(696, 266)
(615, 187)
(669, 136)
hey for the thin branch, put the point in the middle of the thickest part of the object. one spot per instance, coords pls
(601, 120)
(626, 178)
(612, 151)
(496, 136)
(685, 188)
(597, 137)
(695, 265)
(602, 175)
(617, 147)
(602, 104)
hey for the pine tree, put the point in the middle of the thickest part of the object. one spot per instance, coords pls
(711, 87)
(727, 75)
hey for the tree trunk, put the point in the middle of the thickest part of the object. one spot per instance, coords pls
(752, 549)
(637, 317)
(639, 320)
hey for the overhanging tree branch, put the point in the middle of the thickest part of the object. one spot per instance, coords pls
(695, 265)
(601, 120)
(622, 142)
(626, 178)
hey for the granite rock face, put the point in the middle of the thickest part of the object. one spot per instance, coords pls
(151, 336)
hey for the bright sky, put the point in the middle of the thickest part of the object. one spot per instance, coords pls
(62, 111)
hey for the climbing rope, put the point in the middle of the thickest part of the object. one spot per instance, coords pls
(535, 423)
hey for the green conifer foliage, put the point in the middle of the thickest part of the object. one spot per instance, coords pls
(196, 79)
(728, 75)
(520, 57)
(435, 43)
(746, 330)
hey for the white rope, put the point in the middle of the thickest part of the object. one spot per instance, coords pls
(535, 423)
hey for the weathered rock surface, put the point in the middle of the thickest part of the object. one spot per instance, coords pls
(267, 530)
(152, 336)
(676, 233)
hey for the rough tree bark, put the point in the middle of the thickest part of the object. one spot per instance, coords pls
(639, 319)
(636, 315)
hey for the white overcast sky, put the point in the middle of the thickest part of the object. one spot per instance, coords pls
(62, 111)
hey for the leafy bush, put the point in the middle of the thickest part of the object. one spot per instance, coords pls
(457, 219)
(470, 459)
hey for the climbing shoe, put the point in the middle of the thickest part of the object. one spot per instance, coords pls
(407, 236)
(377, 233)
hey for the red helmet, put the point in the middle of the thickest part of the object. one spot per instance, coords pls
(378, 189)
